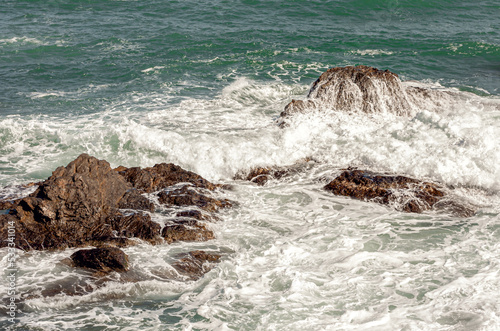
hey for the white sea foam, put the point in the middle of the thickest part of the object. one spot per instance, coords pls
(372, 52)
(155, 68)
(20, 40)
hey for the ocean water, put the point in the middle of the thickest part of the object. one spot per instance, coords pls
(201, 84)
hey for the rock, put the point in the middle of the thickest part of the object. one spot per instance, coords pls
(261, 175)
(136, 225)
(405, 193)
(195, 264)
(8, 204)
(359, 88)
(103, 259)
(186, 230)
(197, 214)
(162, 176)
(69, 208)
(79, 205)
(132, 199)
(188, 197)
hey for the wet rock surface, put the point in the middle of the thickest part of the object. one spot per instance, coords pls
(261, 175)
(161, 176)
(87, 203)
(79, 205)
(352, 88)
(196, 263)
(406, 194)
(136, 225)
(185, 196)
(186, 230)
(102, 259)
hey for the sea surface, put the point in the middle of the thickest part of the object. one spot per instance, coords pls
(201, 84)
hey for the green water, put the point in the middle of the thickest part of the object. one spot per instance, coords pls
(78, 46)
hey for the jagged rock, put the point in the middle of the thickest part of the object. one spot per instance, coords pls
(69, 208)
(186, 230)
(196, 214)
(132, 199)
(405, 193)
(415, 196)
(195, 264)
(138, 225)
(103, 259)
(185, 196)
(161, 176)
(79, 205)
(359, 88)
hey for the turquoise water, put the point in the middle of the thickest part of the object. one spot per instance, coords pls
(200, 84)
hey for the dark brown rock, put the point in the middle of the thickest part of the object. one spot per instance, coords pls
(197, 214)
(136, 225)
(261, 175)
(69, 208)
(188, 197)
(195, 264)
(79, 206)
(132, 199)
(102, 259)
(359, 88)
(186, 230)
(407, 194)
(162, 176)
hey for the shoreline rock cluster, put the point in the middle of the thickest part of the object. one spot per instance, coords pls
(87, 203)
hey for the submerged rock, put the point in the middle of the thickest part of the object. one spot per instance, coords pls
(261, 175)
(406, 194)
(186, 196)
(102, 259)
(186, 230)
(195, 264)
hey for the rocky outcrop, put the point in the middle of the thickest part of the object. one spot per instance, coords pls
(358, 88)
(102, 259)
(406, 194)
(79, 205)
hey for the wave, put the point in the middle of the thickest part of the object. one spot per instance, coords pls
(457, 145)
